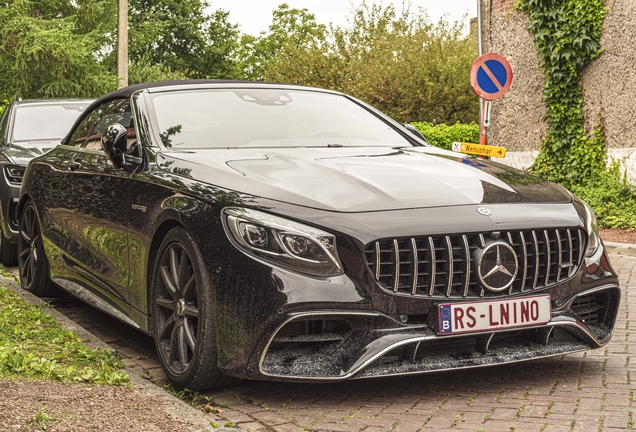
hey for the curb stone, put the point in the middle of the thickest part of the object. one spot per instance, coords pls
(620, 248)
(171, 405)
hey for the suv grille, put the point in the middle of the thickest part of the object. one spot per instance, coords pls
(437, 266)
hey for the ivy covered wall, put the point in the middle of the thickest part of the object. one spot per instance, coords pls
(516, 119)
(608, 83)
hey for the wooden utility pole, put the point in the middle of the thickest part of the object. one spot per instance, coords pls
(122, 43)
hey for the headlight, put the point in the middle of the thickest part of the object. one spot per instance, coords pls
(14, 173)
(593, 240)
(282, 242)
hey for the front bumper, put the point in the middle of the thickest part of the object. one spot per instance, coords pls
(279, 325)
(9, 193)
(346, 344)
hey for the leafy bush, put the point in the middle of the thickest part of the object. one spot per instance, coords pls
(397, 61)
(612, 198)
(3, 106)
(443, 135)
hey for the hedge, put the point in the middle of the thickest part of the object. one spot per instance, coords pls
(443, 135)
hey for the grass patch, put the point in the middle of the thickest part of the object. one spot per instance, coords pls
(40, 419)
(34, 345)
(194, 399)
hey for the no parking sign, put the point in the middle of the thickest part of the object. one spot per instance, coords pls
(491, 76)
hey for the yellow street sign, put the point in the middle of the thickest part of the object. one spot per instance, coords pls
(479, 149)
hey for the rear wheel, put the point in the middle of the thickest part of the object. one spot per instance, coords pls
(32, 262)
(182, 315)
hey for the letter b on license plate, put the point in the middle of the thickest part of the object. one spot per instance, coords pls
(467, 317)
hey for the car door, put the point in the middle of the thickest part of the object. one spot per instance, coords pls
(92, 220)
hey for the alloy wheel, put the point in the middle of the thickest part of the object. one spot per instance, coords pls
(28, 246)
(177, 308)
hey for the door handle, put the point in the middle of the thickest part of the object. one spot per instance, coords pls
(74, 165)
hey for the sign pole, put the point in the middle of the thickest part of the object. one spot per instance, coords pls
(482, 132)
(485, 121)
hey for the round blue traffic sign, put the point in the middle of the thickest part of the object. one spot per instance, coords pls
(491, 76)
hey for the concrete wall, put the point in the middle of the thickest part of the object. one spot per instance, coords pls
(609, 82)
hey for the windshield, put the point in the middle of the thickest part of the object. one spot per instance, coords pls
(46, 122)
(267, 118)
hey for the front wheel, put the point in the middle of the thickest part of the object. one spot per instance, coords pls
(32, 263)
(182, 316)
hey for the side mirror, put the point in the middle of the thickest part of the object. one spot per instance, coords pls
(115, 143)
(415, 131)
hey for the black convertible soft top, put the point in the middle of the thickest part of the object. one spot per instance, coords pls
(128, 91)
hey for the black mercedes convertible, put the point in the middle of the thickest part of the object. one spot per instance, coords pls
(268, 231)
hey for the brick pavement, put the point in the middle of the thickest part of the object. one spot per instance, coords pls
(589, 391)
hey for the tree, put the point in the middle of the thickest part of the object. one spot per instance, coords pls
(143, 70)
(65, 48)
(52, 48)
(401, 63)
(292, 32)
(178, 36)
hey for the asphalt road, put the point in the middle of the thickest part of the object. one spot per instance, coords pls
(590, 391)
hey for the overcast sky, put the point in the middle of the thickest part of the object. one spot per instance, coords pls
(254, 16)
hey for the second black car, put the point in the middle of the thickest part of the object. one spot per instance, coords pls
(28, 128)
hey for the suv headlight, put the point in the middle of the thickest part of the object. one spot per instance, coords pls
(14, 173)
(282, 242)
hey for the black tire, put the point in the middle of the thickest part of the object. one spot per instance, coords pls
(8, 252)
(32, 262)
(182, 315)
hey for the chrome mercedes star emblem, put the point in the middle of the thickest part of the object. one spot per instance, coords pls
(497, 266)
(181, 307)
(484, 211)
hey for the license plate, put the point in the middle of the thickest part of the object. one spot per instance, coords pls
(466, 317)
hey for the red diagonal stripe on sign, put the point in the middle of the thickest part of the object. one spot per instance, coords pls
(495, 81)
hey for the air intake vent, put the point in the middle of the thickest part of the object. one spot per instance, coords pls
(587, 308)
(445, 265)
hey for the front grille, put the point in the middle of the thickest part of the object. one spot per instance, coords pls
(445, 265)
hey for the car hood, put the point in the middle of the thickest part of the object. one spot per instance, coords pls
(362, 179)
(21, 153)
